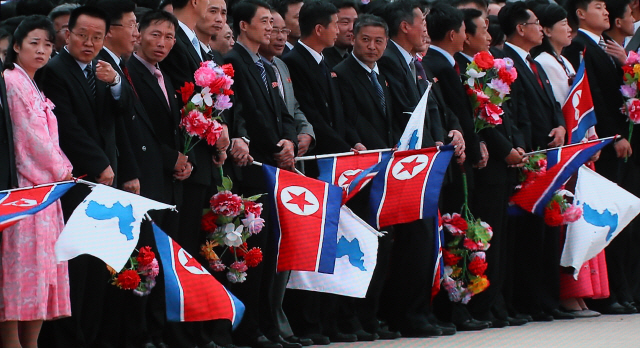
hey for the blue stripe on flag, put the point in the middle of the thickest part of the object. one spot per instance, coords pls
(173, 296)
(434, 181)
(238, 309)
(330, 237)
(327, 167)
(58, 191)
(270, 178)
(378, 186)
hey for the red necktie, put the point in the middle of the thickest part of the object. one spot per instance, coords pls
(125, 71)
(457, 67)
(534, 68)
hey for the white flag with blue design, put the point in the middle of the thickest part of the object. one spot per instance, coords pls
(411, 138)
(606, 209)
(106, 225)
(356, 257)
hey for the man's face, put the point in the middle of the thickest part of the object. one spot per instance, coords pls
(479, 41)
(61, 25)
(124, 34)
(595, 17)
(417, 32)
(329, 34)
(626, 22)
(278, 37)
(202, 7)
(369, 44)
(459, 37)
(214, 19)
(259, 30)
(4, 46)
(156, 41)
(224, 40)
(532, 29)
(346, 17)
(85, 40)
(291, 20)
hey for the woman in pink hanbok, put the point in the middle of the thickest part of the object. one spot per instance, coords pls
(33, 286)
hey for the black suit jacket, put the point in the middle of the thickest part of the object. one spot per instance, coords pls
(543, 113)
(362, 106)
(332, 57)
(320, 101)
(8, 178)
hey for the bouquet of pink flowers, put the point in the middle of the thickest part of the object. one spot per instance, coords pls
(202, 109)
(230, 222)
(629, 90)
(140, 275)
(488, 85)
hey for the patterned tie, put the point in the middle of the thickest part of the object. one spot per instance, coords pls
(412, 67)
(158, 74)
(420, 71)
(534, 69)
(125, 72)
(376, 84)
(91, 79)
(603, 45)
(279, 78)
(263, 73)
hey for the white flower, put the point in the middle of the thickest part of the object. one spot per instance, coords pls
(204, 97)
(233, 235)
(473, 74)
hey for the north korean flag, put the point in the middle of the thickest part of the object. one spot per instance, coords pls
(192, 293)
(17, 204)
(562, 162)
(306, 213)
(578, 110)
(351, 173)
(407, 188)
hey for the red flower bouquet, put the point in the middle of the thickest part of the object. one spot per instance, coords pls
(139, 274)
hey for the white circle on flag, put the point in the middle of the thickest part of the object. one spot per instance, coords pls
(299, 200)
(348, 176)
(409, 167)
(189, 263)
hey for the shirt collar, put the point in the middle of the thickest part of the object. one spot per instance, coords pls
(254, 56)
(522, 53)
(113, 55)
(152, 69)
(317, 56)
(444, 53)
(289, 45)
(190, 33)
(591, 35)
(205, 48)
(82, 65)
(368, 69)
(341, 51)
(469, 58)
(407, 56)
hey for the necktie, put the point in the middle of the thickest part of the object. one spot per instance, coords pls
(209, 55)
(412, 67)
(196, 46)
(534, 69)
(279, 78)
(158, 74)
(603, 45)
(420, 71)
(376, 84)
(91, 79)
(324, 69)
(125, 72)
(263, 73)
(457, 67)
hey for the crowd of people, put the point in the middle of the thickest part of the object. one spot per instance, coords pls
(91, 89)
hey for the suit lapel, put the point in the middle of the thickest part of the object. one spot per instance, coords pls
(151, 81)
(363, 79)
(315, 69)
(253, 70)
(524, 70)
(78, 74)
(182, 36)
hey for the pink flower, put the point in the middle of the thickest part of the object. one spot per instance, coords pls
(195, 124)
(633, 110)
(239, 266)
(471, 245)
(491, 114)
(226, 203)
(253, 224)
(628, 91)
(213, 133)
(542, 163)
(253, 207)
(481, 97)
(455, 224)
(151, 269)
(204, 76)
(633, 58)
(479, 254)
(223, 102)
(572, 213)
(500, 86)
(499, 63)
(217, 266)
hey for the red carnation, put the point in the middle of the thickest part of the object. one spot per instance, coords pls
(477, 267)
(450, 259)
(553, 214)
(627, 69)
(227, 92)
(506, 76)
(470, 245)
(226, 203)
(208, 222)
(253, 207)
(145, 256)
(128, 280)
(484, 60)
(186, 92)
(228, 69)
(253, 257)
(217, 84)
(195, 123)
(213, 133)
(455, 224)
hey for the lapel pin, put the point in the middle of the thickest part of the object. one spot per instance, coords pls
(289, 79)
(274, 84)
(333, 74)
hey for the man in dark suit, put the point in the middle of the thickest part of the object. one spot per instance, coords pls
(347, 15)
(261, 121)
(605, 78)
(8, 177)
(89, 105)
(542, 124)
(290, 12)
(209, 27)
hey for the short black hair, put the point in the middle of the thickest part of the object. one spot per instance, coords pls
(494, 29)
(90, 11)
(62, 10)
(548, 15)
(4, 33)
(315, 12)
(31, 7)
(376, 7)
(245, 10)
(165, 3)
(470, 14)
(369, 20)
(443, 18)
(115, 9)
(282, 6)
(340, 4)
(511, 15)
(156, 16)
(397, 12)
(179, 4)
(29, 24)
(572, 6)
(616, 9)
(482, 3)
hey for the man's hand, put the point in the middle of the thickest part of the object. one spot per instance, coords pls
(484, 156)
(106, 177)
(132, 186)
(285, 158)
(359, 147)
(181, 163)
(219, 158)
(304, 141)
(460, 159)
(558, 136)
(615, 50)
(105, 72)
(223, 141)
(595, 157)
(514, 158)
(240, 152)
(185, 173)
(67, 176)
(458, 141)
(623, 148)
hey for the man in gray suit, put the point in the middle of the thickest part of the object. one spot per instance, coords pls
(306, 141)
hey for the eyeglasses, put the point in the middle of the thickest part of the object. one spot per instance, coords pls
(278, 31)
(129, 26)
(62, 30)
(527, 23)
(96, 39)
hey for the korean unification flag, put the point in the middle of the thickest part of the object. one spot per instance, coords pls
(607, 209)
(411, 138)
(106, 225)
(356, 258)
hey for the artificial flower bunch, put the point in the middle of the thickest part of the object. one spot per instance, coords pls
(629, 90)
(464, 256)
(533, 167)
(231, 220)
(202, 109)
(140, 275)
(488, 84)
(559, 211)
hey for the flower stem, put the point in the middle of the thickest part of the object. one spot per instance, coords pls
(626, 158)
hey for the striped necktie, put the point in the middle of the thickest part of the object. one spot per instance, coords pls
(376, 84)
(263, 73)
(91, 79)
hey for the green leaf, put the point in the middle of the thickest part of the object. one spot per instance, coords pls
(227, 184)
(255, 197)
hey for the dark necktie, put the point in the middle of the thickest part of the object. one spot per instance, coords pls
(457, 67)
(376, 84)
(534, 69)
(125, 72)
(91, 79)
(324, 69)
(263, 73)
(279, 78)
(209, 56)
(420, 71)
(603, 45)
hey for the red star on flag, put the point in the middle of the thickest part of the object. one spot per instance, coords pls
(350, 177)
(191, 262)
(299, 200)
(410, 166)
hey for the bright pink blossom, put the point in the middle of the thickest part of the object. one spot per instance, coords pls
(226, 203)
(195, 124)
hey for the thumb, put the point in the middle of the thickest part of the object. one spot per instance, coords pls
(280, 143)
(450, 135)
